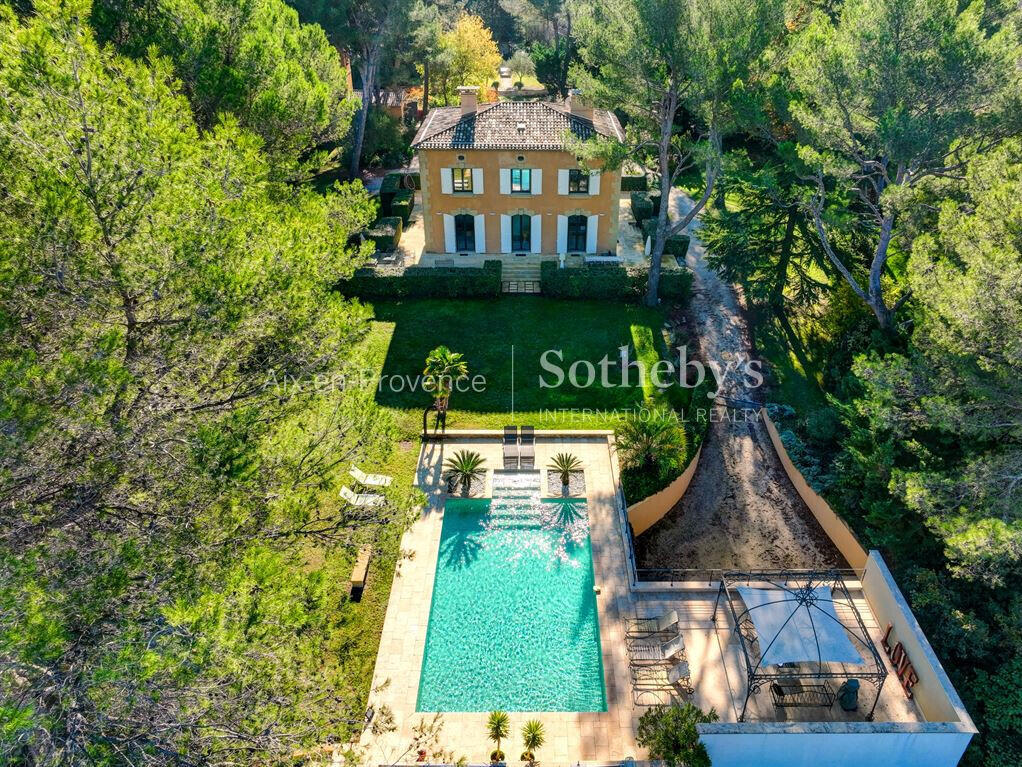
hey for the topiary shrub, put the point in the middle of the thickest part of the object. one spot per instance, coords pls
(390, 186)
(425, 282)
(654, 198)
(676, 245)
(611, 283)
(402, 205)
(634, 183)
(642, 208)
(386, 233)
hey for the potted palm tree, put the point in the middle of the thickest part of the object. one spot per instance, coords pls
(533, 737)
(497, 726)
(563, 464)
(443, 368)
(463, 468)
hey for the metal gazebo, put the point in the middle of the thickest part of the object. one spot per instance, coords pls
(788, 629)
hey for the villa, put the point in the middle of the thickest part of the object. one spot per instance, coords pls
(497, 179)
(522, 600)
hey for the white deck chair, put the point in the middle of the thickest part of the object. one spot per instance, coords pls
(658, 653)
(659, 625)
(370, 480)
(361, 499)
(679, 674)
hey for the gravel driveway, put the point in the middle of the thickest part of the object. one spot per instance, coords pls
(740, 511)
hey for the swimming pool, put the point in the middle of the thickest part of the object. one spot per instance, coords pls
(513, 622)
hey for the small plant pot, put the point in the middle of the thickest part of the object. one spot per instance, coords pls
(527, 756)
(496, 757)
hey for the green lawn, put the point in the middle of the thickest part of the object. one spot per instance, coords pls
(503, 341)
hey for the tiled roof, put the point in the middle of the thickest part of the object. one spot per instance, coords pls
(511, 125)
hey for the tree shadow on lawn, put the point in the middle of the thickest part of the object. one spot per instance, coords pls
(485, 330)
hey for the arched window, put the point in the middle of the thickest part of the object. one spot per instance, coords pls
(464, 233)
(521, 233)
(577, 234)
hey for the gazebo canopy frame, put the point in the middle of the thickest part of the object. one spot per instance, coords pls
(797, 586)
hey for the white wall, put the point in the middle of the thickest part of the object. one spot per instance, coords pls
(816, 749)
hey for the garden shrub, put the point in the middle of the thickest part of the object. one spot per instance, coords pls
(386, 233)
(611, 282)
(654, 198)
(642, 208)
(402, 204)
(634, 183)
(425, 282)
(676, 245)
(387, 141)
(654, 452)
(388, 189)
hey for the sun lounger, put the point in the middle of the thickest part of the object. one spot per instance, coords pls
(647, 626)
(528, 442)
(660, 677)
(371, 480)
(657, 652)
(361, 499)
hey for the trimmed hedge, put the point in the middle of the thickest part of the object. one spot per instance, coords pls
(634, 183)
(642, 208)
(676, 245)
(654, 198)
(386, 233)
(390, 186)
(425, 282)
(612, 283)
(402, 205)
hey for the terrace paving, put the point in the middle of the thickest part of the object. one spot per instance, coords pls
(718, 675)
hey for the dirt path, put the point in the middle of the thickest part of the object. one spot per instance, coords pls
(741, 510)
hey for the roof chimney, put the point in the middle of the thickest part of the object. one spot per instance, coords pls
(578, 105)
(469, 96)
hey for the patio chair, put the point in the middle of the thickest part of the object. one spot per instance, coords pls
(369, 480)
(361, 499)
(659, 652)
(511, 453)
(640, 627)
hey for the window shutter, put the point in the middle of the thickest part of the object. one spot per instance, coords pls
(594, 182)
(505, 181)
(505, 234)
(562, 181)
(480, 233)
(562, 233)
(477, 180)
(537, 181)
(594, 221)
(449, 242)
(446, 181)
(537, 234)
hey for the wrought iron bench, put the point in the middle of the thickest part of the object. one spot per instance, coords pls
(796, 694)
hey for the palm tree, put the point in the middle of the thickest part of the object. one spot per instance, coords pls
(443, 368)
(533, 737)
(564, 464)
(463, 467)
(646, 443)
(498, 727)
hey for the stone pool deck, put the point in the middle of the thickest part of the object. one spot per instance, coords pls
(717, 671)
(571, 737)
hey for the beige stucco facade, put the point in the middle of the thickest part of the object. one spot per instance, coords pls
(492, 204)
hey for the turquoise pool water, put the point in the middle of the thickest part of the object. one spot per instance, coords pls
(513, 622)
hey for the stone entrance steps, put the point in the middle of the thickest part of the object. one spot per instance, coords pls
(520, 277)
